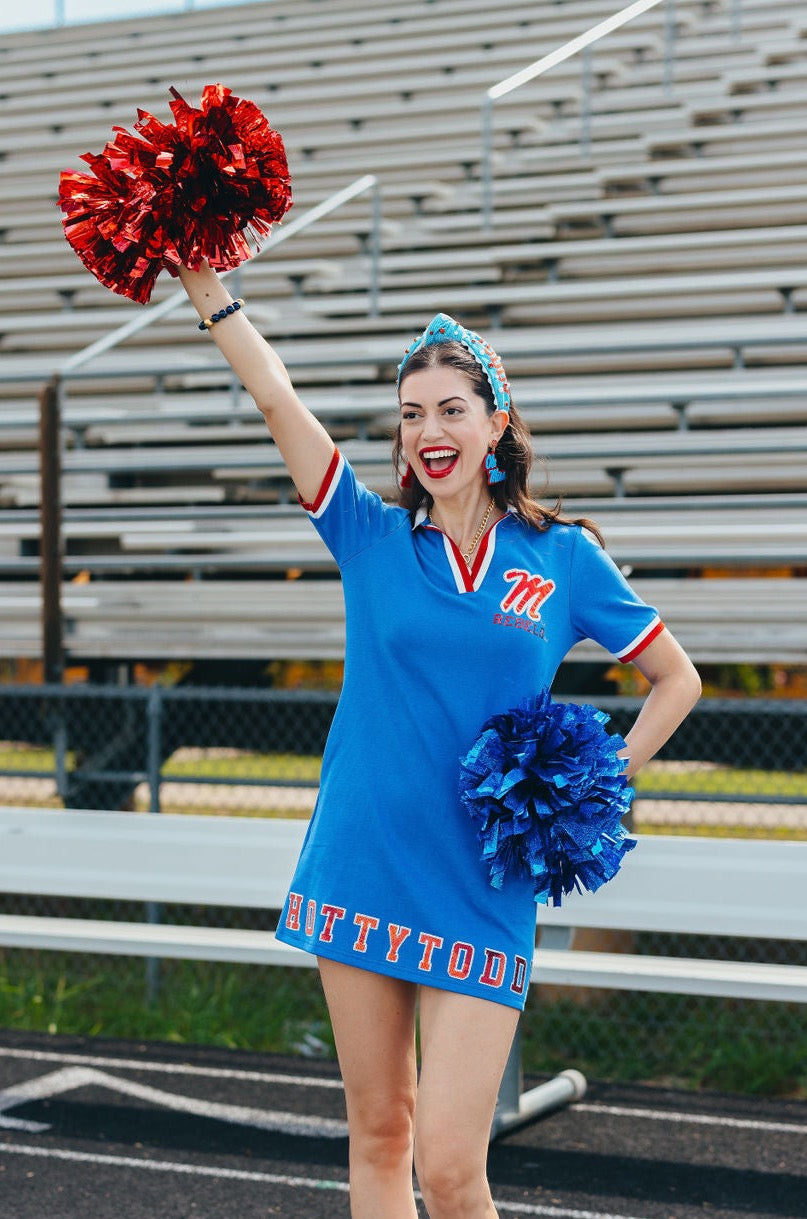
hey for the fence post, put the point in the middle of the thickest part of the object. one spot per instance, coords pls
(154, 708)
(50, 515)
(154, 713)
(60, 754)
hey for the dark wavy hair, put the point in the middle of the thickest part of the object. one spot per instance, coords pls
(513, 452)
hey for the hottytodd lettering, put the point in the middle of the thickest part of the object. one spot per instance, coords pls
(358, 931)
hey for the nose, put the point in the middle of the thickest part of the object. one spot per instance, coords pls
(432, 427)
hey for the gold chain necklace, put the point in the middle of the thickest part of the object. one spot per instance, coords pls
(466, 554)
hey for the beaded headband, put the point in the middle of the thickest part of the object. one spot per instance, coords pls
(443, 329)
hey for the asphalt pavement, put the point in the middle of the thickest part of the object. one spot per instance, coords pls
(117, 1130)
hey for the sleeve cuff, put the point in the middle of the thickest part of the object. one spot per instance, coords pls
(329, 485)
(638, 645)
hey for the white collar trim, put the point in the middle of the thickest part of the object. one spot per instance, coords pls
(422, 516)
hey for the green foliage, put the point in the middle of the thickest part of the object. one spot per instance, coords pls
(681, 1041)
(196, 1003)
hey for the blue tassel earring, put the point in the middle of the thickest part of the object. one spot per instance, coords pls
(494, 474)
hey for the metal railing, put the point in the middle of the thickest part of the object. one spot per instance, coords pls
(582, 44)
(51, 394)
(368, 182)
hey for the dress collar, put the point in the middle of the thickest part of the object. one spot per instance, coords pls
(422, 516)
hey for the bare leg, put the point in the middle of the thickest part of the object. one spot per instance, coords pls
(373, 1020)
(464, 1047)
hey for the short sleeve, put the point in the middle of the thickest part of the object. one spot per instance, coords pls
(347, 516)
(604, 607)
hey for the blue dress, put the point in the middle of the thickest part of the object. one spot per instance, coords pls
(390, 877)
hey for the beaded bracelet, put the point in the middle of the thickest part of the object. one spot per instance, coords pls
(222, 313)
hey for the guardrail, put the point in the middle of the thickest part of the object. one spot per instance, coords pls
(583, 43)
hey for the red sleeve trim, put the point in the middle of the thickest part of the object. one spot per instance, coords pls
(639, 645)
(330, 473)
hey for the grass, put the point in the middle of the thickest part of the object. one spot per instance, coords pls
(696, 779)
(27, 757)
(235, 1006)
(213, 764)
(187, 763)
(706, 780)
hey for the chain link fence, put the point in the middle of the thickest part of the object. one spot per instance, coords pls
(196, 750)
(737, 766)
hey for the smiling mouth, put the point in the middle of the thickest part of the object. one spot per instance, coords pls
(438, 462)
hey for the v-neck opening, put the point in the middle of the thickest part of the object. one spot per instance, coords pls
(468, 579)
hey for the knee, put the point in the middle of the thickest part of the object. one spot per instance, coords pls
(382, 1132)
(450, 1179)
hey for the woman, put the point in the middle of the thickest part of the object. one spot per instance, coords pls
(460, 602)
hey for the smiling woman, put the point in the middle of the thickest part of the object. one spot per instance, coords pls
(462, 600)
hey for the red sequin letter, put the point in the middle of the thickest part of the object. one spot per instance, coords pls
(332, 913)
(367, 923)
(429, 942)
(293, 912)
(462, 956)
(397, 935)
(493, 973)
(519, 976)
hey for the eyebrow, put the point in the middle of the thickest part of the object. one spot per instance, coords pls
(442, 402)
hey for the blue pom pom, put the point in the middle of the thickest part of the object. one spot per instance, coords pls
(547, 791)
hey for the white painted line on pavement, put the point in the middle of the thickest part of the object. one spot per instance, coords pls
(68, 1079)
(695, 1119)
(304, 1081)
(169, 1068)
(20, 1094)
(191, 1170)
(266, 1178)
(19, 1123)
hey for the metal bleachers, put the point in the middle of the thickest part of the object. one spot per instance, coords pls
(293, 619)
(646, 290)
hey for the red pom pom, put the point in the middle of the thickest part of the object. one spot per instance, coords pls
(177, 193)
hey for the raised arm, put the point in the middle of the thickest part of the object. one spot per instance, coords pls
(306, 447)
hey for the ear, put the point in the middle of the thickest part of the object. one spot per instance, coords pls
(498, 425)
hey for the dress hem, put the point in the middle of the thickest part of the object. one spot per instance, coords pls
(504, 997)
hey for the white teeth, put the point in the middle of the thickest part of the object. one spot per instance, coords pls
(439, 453)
